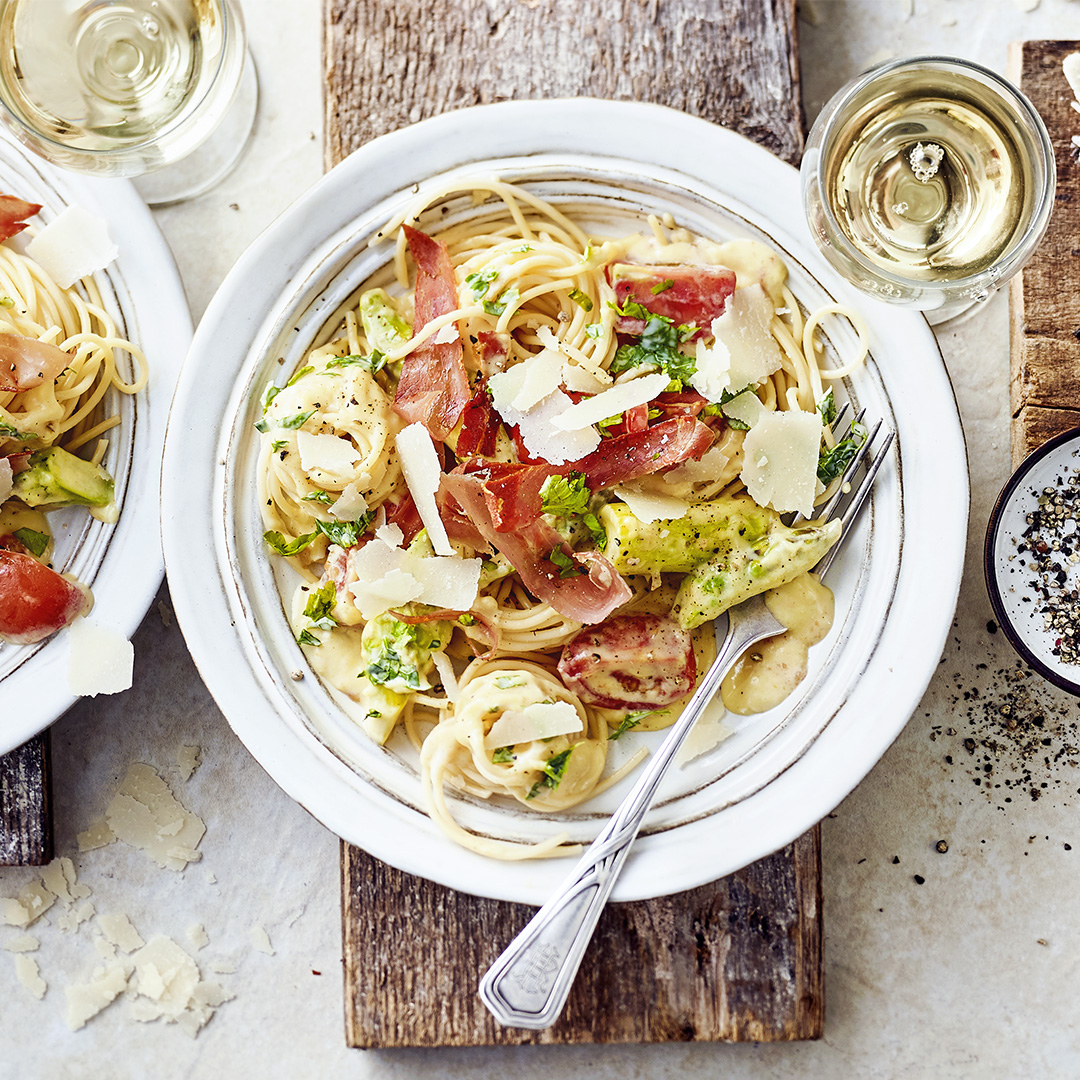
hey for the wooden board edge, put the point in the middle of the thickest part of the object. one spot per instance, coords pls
(26, 827)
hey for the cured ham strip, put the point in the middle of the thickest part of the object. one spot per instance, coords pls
(480, 422)
(511, 491)
(433, 388)
(587, 598)
(26, 363)
(641, 453)
(13, 212)
(405, 516)
(688, 295)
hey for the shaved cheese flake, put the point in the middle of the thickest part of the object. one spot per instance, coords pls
(647, 506)
(580, 380)
(744, 407)
(448, 582)
(743, 352)
(12, 913)
(543, 720)
(420, 466)
(1070, 67)
(611, 402)
(542, 374)
(86, 1000)
(390, 534)
(446, 336)
(540, 437)
(393, 589)
(188, 759)
(75, 243)
(28, 973)
(447, 676)
(100, 660)
(708, 467)
(53, 878)
(97, 835)
(350, 504)
(708, 732)
(260, 940)
(327, 453)
(5, 478)
(22, 944)
(119, 931)
(780, 461)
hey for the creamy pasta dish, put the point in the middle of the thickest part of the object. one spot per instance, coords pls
(526, 476)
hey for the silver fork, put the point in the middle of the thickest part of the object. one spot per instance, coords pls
(528, 985)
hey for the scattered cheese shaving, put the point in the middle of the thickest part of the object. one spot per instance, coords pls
(100, 661)
(260, 940)
(97, 835)
(222, 967)
(780, 461)
(145, 814)
(33, 901)
(611, 402)
(446, 335)
(390, 534)
(28, 973)
(188, 759)
(326, 454)
(542, 374)
(745, 407)
(350, 504)
(86, 1000)
(75, 243)
(5, 478)
(22, 943)
(744, 351)
(198, 936)
(579, 379)
(708, 732)
(708, 467)
(543, 720)
(447, 675)
(647, 506)
(420, 467)
(71, 920)
(54, 879)
(119, 931)
(448, 583)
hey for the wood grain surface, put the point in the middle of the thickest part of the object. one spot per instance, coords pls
(25, 822)
(740, 959)
(1044, 301)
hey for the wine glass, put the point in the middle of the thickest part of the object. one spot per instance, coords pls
(928, 182)
(160, 89)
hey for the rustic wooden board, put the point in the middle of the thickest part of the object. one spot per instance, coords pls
(1045, 296)
(740, 959)
(25, 822)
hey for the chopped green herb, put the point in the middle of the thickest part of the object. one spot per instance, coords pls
(658, 345)
(374, 363)
(346, 533)
(307, 638)
(566, 495)
(582, 300)
(827, 407)
(662, 286)
(504, 755)
(498, 306)
(833, 462)
(466, 619)
(554, 771)
(290, 423)
(269, 394)
(567, 566)
(279, 444)
(595, 330)
(522, 249)
(288, 547)
(320, 606)
(629, 721)
(34, 542)
(318, 496)
(480, 282)
(300, 374)
(504, 682)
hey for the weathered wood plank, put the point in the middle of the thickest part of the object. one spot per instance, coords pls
(1045, 296)
(389, 64)
(739, 959)
(25, 822)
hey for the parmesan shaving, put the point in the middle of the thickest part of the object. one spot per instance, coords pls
(326, 454)
(780, 461)
(647, 506)
(350, 504)
(119, 931)
(100, 661)
(260, 940)
(97, 835)
(188, 759)
(5, 478)
(744, 407)
(75, 243)
(447, 335)
(447, 676)
(420, 467)
(611, 402)
(28, 973)
(542, 374)
(86, 1000)
(543, 720)
(22, 944)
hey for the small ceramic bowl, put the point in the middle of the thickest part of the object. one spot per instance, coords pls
(1032, 560)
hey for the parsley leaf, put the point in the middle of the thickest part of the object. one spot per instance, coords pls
(320, 605)
(480, 282)
(554, 771)
(290, 423)
(833, 462)
(345, 533)
(594, 330)
(502, 302)
(629, 721)
(35, 542)
(566, 495)
(374, 363)
(306, 637)
(582, 300)
(300, 374)
(269, 394)
(279, 444)
(658, 344)
(827, 407)
(318, 495)
(279, 544)
(504, 755)
(9, 432)
(662, 286)
(567, 566)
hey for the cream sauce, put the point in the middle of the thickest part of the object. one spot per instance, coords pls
(770, 670)
(14, 515)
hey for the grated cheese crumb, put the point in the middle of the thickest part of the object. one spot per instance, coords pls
(22, 943)
(198, 936)
(97, 835)
(28, 973)
(188, 759)
(260, 940)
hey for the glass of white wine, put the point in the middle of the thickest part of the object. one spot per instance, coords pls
(928, 182)
(159, 89)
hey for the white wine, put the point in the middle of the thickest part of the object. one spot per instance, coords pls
(119, 86)
(928, 181)
(933, 186)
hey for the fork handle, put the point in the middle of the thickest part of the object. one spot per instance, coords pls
(529, 983)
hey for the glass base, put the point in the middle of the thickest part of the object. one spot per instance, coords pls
(210, 162)
(945, 318)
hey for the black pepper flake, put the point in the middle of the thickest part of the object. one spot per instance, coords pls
(942, 846)
(919, 879)
(895, 859)
(991, 626)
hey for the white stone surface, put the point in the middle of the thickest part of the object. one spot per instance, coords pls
(974, 973)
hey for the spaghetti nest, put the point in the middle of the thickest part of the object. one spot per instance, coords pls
(527, 281)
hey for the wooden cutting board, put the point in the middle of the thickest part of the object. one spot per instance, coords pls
(740, 959)
(1044, 301)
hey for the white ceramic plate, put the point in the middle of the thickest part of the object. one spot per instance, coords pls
(122, 563)
(896, 583)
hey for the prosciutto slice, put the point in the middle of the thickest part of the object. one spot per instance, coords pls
(588, 597)
(26, 363)
(688, 295)
(13, 212)
(480, 422)
(511, 491)
(641, 453)
(433, 388)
